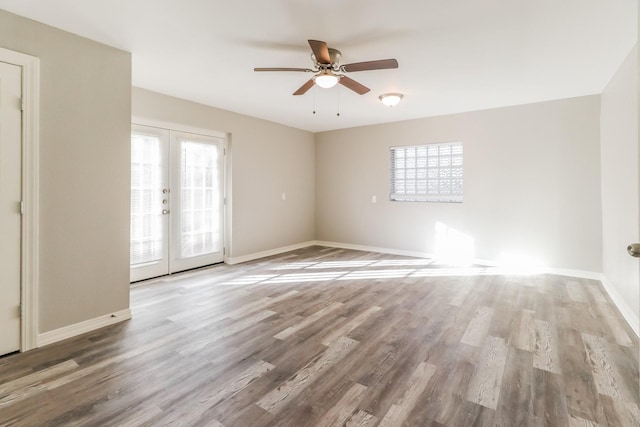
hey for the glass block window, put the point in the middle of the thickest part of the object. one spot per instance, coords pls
(427, 173)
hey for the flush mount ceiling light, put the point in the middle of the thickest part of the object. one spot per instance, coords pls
(326, 79)
(390, 99)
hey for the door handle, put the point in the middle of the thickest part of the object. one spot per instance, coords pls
(165, 211)
(634, 250)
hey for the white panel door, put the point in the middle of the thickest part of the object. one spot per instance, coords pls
(10, 197)
(197, 202)
(149, 241)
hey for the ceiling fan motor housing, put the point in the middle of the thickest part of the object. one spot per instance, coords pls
(335, 56)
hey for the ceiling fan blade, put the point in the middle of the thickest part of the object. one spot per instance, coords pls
(304, 88)
(321, 51)
(380, 64)
(283, 69)
(360, 89)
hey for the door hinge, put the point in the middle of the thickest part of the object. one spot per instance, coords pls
(22, 106)
(20, 310)
(21, 207)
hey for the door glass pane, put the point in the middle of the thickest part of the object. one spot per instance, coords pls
(200, 199)
(146, 204)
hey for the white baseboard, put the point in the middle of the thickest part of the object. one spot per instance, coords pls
(270, 252)
(582, 274)
(372, 249)
(75, 329)
(632, 319)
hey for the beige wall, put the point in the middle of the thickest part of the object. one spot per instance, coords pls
(620, 215)
(268, 159)
(532, 185)
(84, 171)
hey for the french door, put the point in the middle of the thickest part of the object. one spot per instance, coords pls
(176, 201)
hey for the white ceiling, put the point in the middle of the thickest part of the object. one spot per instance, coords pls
(454, 56)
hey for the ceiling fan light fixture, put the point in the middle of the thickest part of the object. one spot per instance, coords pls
(391, 99)
(326, 79)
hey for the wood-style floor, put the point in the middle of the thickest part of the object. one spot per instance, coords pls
(330, 337)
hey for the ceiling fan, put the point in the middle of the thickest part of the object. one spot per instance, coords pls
(327, 63)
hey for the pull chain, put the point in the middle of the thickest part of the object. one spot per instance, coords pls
(314, 99)
(338, 91)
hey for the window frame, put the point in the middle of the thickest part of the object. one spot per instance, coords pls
(442, 182)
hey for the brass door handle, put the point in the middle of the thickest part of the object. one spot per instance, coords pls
(634, 250)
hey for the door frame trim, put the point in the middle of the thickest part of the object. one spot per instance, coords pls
(30, 189)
